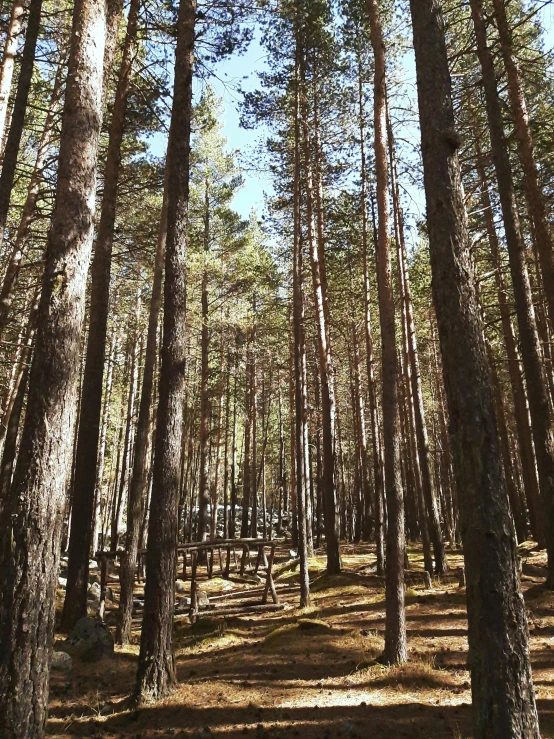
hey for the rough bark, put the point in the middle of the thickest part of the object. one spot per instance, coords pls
(395, 629)
(8, 61)
(502, 688)
(86, 456)
(13, 141)
(139, 478)
(156, 667)
(532, 356)
(29, 576)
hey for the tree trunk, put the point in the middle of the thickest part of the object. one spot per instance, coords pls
(75, 604)
(8, 62)
(539, 404)
(13, 141)
(535, 199)
(502, 688)
(156, 667)
(300, 400)
(395, 630)
(139, 480)
(29, 577)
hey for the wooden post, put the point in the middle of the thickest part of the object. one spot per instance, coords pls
(269, 584)
(103, 580)
(243, 559)
(193, 613)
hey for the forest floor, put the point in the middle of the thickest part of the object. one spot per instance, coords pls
(308, 673)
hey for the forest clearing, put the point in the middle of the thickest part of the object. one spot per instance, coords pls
(310, 672)
(277, 368)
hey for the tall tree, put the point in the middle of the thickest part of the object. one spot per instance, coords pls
(29, 576)
(156, 667)
(395, 630)
(502, 687)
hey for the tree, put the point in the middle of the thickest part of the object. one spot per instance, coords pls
(29, 574)
(502, 687)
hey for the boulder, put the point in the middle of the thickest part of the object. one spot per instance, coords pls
(90, 640)
(183, 603)
(61, 661)
(62, 582)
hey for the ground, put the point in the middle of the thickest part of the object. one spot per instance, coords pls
(310, 673)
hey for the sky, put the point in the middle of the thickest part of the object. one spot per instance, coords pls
(241, 70)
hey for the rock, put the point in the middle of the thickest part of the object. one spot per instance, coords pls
(61, 661)
(94, 577)
(183, 603)
(181, 587)
(202, 599)
(62, 582)
(90, 640)
(94, 591)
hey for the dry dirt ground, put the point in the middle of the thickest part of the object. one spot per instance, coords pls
(310, 673)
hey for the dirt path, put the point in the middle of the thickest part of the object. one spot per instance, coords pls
(309, 673)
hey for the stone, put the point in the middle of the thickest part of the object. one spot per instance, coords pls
(61, 661)
(183, 603)
(90, 640)
(62, 582)
(181, 587)
(202, 599)
(94, 591)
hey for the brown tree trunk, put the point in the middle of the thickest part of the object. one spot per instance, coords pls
(8, 62)
(11, 272)
(13, 141)
(204, 488)
(539, 404)
(139, 480)
(317, 259)
(29, 577)
(502, 687)
(395, 629)
(75, 604)
(300, 400)
(156, 667)
(535, 199)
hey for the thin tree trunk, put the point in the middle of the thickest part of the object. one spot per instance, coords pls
(502, 687)
(537, 389)
(139, 480)
(8, 62)
(395, 629)
(156, 667)
(13, 141)
(29, 577)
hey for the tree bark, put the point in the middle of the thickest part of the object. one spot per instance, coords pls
(8, 62)
(13, 141)
(532, 356)
(395, 629)
(75, 604)
(29, 576)
(139, 478)
(502, 687)
(156, 668)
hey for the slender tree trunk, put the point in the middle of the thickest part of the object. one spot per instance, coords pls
(521, 408)
(8, 62)
(29, 576)
(156, 667)
(395, 630)
(317, 259)
(300, 400)
(204, 489)
(139, 480)
(535, 198)
(13, 141)
(537, 389)
(75, 605)
(502, 687)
